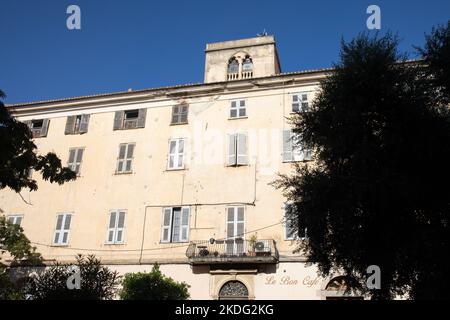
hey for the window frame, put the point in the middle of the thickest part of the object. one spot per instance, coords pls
(300, 102)
(61, 231)
(235, 221)
(125, 159)
(297, 154)
(116, 227)
(75, 162)
(295, 235)
(180, 114)
(15, 217)
(176, 155)
(236, 155)
(171, 225)
(238, 107)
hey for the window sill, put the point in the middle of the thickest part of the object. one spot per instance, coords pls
(176, 169)
(59, 245)
(237, 118)
(160, 242)
(114, 244)
(123, 173)
(237, 165)
(178, 123)
(292, 161)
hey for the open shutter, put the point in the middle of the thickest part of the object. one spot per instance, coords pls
(242, 157)
(130, 151)
(44, 129)
(28, 123)
(121, 158)
(232, 149)
(118, 120)
(70, 125)
(167, 222)
(71, 161)
(287, 146)
(141, 118)
(184, 224)
(84, 124)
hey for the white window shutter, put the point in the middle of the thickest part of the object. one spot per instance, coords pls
(287, 146)
(184, 224)
(166, 223)
(242, 158)
(180, 160)
(120, 227)
(232, 149)
(70, 125)
(112, 227)
(44, 129)
(84, 123)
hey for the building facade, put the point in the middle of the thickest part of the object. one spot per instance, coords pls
(181, 176)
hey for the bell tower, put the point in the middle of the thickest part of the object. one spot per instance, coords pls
(241, 59)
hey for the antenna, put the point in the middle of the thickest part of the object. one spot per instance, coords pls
(262, 34)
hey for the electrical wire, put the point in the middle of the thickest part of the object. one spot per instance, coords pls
(149, 249)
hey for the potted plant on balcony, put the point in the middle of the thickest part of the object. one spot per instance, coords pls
(252, 242)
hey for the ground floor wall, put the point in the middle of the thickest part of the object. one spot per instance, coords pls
(285, 280)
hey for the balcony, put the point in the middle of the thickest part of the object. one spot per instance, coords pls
(232, 251)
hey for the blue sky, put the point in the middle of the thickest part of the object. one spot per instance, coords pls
(144, 44)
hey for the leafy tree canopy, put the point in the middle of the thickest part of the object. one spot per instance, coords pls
(98, 282)
(18, 155)
(152, 286)
(377, 194)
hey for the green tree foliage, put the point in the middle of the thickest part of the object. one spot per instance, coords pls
(152, 286)
(377, 193)
(97, 282)
(15, 247)
(18, 156)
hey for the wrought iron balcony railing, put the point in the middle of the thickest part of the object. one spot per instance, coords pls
(232, 251)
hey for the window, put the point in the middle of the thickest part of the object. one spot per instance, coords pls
(247, 68)
(292, 152)
(233, 66)
(125, 159)
(179, 114)
(237, 149)
(129, 119)
(75, 158)
(77, 124)
(176, 154)
(175, 225)
(62, 229)
(291, 226)
(237, 109)
(15, 219)
(300, 102)
(116, 226)
(39, 128)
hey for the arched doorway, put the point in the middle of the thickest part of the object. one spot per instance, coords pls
(233, 290)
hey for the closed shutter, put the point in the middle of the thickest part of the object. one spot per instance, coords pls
(44, 130)
(62, 229)
(184, 114)
(288, 223)
(240, 222)
(242, 158)
(112, 227)
(121, 158)
(130, 152)
(70, 125)
(230, 222)
(78, 159)
(141, 118)
(184, 224)
(120, 227)
(84, 123)
(166, 223)
(175, 114)
(118, 120)
(232, 149)
(71, 162)
(180, 153)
